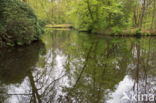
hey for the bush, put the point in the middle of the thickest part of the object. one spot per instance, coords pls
(116, 30)
(138, 32)
(18, 23)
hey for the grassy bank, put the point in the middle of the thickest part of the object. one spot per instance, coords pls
(128, 32)
(112, 32)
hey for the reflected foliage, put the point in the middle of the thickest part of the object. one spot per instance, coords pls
(79, 68)
(16, 63)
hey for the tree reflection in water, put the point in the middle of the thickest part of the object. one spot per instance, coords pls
(77, 68)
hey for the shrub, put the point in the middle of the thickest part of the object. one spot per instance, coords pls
(116, 30)
(18, 23)
(138, 32)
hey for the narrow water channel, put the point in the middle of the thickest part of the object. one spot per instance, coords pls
(73, 67)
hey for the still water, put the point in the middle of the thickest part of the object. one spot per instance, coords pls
(72, 67)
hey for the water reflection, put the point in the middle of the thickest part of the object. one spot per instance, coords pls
(78, 68)
(16, 64)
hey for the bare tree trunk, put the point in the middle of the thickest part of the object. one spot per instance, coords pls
(142, 13)
(153, 17)
(35, 93)
(136, 15)
(89, 9)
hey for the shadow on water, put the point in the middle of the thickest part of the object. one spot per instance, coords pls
(15, 63)
(78, 68)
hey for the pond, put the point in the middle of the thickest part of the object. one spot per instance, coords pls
(73, 67)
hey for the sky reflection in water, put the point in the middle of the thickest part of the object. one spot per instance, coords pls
(72, 67)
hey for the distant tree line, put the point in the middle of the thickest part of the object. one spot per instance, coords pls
(98, 15)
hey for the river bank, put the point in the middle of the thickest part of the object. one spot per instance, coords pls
(118, 32)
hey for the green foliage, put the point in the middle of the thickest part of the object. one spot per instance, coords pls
(19, 24)
(50, 11)
(2, 29)
(116, 30)
(138, 32)
(102, 15)
(97, 15)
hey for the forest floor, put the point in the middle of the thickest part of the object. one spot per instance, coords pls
(128, 32)
(142, 32)
(132, 30)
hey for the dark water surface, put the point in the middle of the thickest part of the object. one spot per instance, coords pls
(72, 67)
